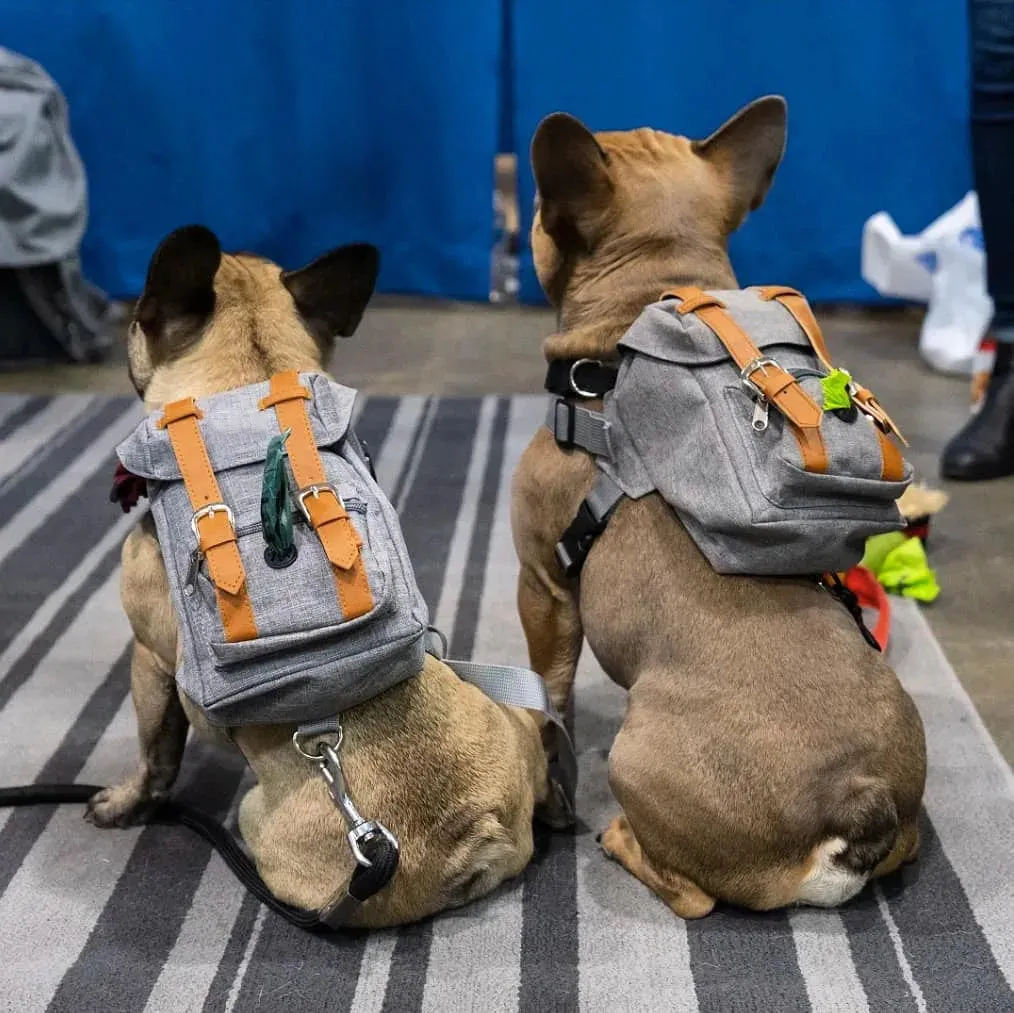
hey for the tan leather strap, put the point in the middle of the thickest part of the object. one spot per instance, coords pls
(775, 384)
(794, 302)
(868, 404)
(318, 499)
(213, 523)
(893, 469)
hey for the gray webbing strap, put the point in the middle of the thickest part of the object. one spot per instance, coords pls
(520, 687)
(573, 426)
(605, 494)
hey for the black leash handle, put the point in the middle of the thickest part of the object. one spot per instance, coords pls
(365, 880)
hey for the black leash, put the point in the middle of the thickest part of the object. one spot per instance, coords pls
(846, 597)
(366, 880)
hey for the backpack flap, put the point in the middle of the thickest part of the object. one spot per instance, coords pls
(769, 477)
(329, 621)
(240, 432)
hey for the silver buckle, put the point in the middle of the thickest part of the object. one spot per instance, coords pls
(757, 365)
(315, 491)
(207, 511)
(573, 377)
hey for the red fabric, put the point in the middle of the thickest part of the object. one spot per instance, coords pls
(918, 529)
(127, 489)
(871, 594)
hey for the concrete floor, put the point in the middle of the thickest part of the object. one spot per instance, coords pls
(408, 346)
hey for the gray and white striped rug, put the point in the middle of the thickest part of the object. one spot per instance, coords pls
(148, 919)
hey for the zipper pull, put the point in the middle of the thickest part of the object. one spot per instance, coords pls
(761, 407)
(195, 565)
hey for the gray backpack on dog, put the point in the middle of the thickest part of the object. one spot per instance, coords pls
(724, 404)
(291, 635)
(294, 591)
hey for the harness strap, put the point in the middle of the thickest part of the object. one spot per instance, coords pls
(212, 523)
(771, 381)
(573, 426)
(521, 687)
(318, 499)
(592, 517)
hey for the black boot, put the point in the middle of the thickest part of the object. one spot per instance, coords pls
(985, 447)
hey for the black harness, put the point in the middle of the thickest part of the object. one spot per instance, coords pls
(575, 380)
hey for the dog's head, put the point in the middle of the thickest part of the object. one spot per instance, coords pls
(644, 208)
(209, 321)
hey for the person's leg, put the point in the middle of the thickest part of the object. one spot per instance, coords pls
(985, 447)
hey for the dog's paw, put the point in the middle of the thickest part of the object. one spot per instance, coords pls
(615, 839)
(120, 806)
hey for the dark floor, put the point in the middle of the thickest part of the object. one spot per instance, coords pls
(407, 347)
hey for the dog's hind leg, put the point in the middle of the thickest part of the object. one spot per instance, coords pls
(162, 729)
(684, 897)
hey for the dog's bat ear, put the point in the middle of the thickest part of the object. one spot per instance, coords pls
(572, 176)
(746, 150)
(180, 286)
(332, 292)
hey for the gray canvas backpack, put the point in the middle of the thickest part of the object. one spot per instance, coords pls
(268, 640)
(725, 404)
(289, 574)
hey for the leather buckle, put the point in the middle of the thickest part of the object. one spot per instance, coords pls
(207, 511)
(315, 491)
(759, 365)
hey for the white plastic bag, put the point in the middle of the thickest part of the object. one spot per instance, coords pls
(944, 266)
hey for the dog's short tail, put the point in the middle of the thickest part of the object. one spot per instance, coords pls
(861, 829)
(866, 819)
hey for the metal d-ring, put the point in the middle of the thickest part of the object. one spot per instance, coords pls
(299, 737)
(573, 377)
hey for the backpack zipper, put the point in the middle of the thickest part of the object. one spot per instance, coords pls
(762, 407)
(353, 505)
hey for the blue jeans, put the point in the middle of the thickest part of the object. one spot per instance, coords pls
(991, 25)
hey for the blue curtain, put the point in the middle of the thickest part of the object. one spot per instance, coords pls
(877, 96)
(286, 127)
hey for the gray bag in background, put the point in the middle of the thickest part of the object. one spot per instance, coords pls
(308, 661)
(47, 308)
(766, 485)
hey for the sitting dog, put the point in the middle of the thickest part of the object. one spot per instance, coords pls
(767, 756)
(455, 775)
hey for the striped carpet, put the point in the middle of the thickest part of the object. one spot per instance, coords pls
(147, 919)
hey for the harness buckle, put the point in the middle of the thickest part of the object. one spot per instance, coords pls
(576, 542)
(758, 365)
(579, 391)
(207, 511)
(315, 491)
(570, 413)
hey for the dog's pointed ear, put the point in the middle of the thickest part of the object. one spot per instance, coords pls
(572, 176)
(331, 293)
(746, 150)
(180, 286)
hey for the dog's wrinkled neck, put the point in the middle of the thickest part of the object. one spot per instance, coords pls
(602, 301)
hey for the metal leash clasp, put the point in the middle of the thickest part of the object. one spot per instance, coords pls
(360, 829)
